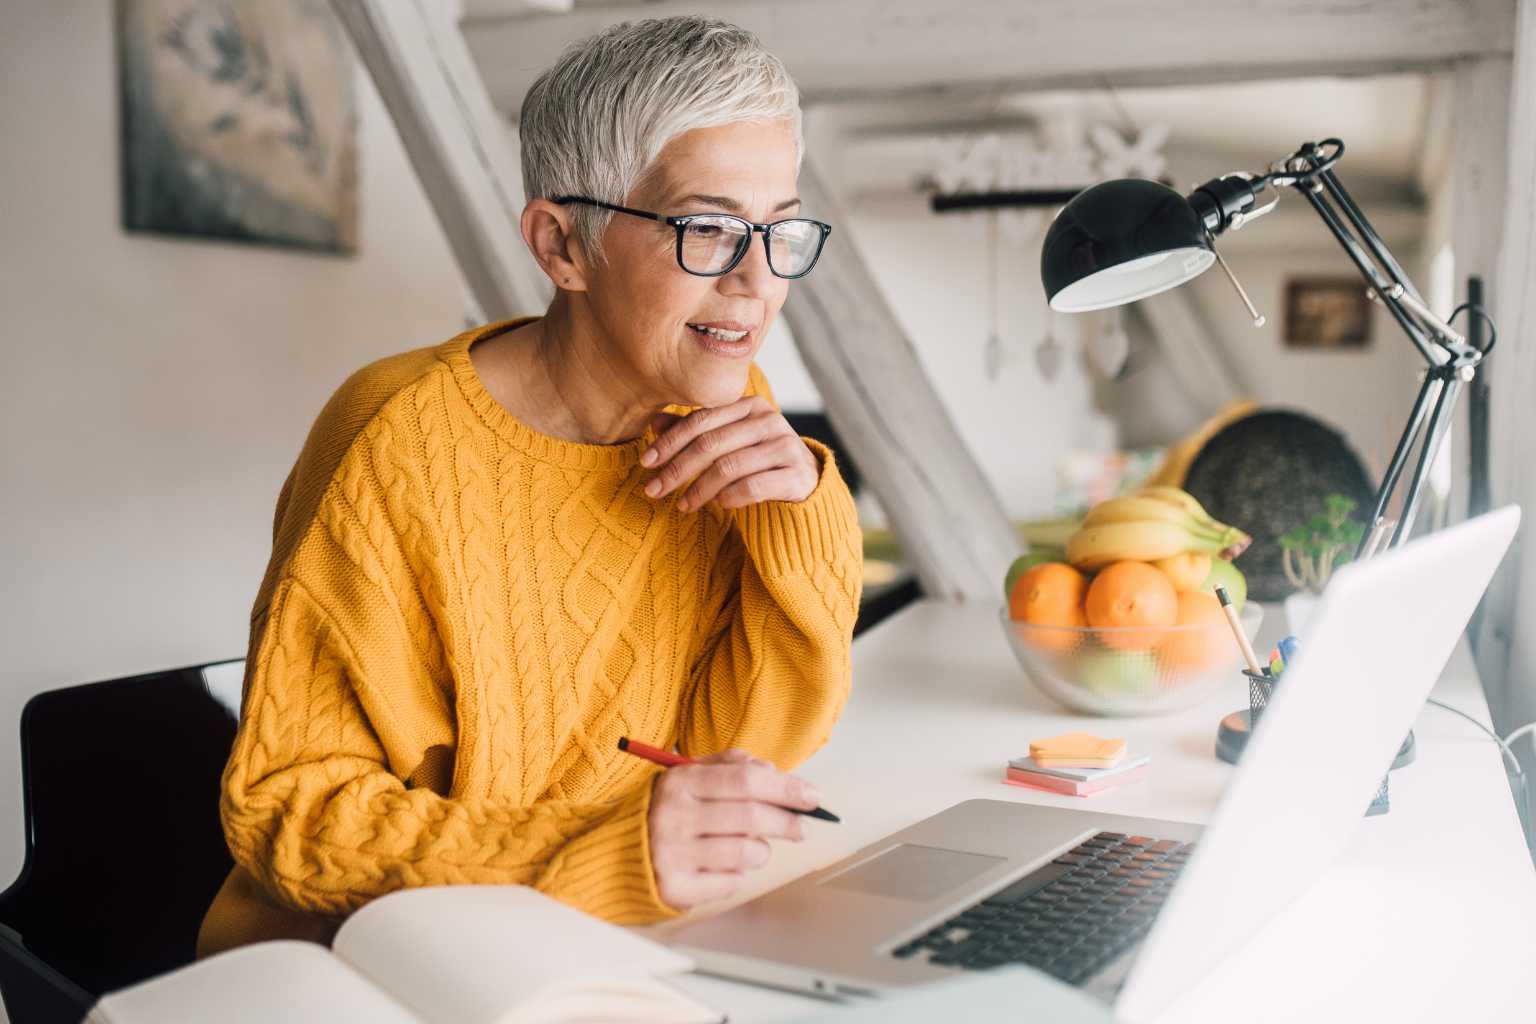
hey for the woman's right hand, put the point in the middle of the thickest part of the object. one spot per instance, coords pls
(710, 823)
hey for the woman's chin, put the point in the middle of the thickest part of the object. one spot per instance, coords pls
(711, 387)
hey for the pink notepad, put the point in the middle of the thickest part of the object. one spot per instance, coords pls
(1030, 764)
(1068, 787)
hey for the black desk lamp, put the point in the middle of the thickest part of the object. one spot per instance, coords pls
(1124, 240)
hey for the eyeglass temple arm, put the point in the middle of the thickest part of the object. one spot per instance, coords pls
(563, 200)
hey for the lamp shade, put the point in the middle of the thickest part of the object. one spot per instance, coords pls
(1120, 241)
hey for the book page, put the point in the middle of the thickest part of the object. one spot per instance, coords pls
(470, 954)
(293, 982)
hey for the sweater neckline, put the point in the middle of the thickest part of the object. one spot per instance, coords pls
(544, 447)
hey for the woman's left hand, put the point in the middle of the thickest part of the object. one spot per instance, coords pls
(739, 454)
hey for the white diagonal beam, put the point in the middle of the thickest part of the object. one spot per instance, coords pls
(460, 147)
(1193, 353)
(953, 529)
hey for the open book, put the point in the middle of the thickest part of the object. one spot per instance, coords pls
(468, 954)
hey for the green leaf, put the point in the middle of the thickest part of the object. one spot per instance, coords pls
(1339, 506)
(1295, 538)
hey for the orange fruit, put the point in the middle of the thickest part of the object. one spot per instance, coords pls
(1049, 595)
(1188, 571)
(1195, 650)
(1134, 597)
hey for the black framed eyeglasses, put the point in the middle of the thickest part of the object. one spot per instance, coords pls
(712, 244)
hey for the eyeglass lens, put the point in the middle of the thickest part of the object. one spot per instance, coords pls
(710, 244)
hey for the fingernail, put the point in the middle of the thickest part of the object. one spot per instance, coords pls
(683, 504)
(648, 457)
(812, 795)
(653, 488)
(759, 856)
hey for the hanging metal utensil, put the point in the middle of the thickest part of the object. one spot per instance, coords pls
(992, 352)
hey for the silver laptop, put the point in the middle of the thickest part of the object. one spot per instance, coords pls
(1136, 910)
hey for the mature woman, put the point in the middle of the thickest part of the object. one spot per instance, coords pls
(497, 556)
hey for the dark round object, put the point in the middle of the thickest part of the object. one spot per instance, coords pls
(1232, 734)
(1125, 224)
(1268, 473)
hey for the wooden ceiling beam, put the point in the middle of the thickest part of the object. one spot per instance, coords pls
(882, 48)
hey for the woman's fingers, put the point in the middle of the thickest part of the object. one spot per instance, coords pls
(738, 454)
(662, 422)
(730, 853)
(746, 781)
(692, 446)
(773, 485)
(710, 822)
(680, 434)
(688, 889)
(748, 818)
(735, 754)
(730, 467)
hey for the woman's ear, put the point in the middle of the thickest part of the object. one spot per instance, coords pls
(550, 231)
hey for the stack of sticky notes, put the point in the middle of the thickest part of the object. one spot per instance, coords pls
(1076, 764)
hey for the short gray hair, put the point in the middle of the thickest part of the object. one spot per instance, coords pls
(594, 122)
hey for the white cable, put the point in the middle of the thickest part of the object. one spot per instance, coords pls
(1527, 727)
(1504, 743)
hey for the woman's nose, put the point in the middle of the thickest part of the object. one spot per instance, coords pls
(752, 274)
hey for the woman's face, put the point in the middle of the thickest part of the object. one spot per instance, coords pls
(650, 309)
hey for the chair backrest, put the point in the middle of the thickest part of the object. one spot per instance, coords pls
(124, 850)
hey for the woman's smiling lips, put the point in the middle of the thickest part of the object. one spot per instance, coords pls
(729, 338)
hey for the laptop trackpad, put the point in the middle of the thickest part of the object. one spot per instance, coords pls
(911, 872)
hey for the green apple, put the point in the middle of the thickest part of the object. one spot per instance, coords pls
(1118, 673)
(1225, 574)
(1023, 564)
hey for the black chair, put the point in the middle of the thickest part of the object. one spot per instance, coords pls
(124, 851)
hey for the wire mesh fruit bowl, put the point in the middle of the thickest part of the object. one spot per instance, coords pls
(1130, 670)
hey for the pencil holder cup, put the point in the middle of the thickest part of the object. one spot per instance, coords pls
(1260, 689)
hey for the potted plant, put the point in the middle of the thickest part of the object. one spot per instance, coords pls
(1313, 550)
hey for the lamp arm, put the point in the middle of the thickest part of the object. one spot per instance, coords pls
(1452, 362)
(1368, 235)
(1403, 289)
(1313, 194)
(1428, 395)
(1439, 421)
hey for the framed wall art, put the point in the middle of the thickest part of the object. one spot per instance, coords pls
(239, 122)
(1331, 312)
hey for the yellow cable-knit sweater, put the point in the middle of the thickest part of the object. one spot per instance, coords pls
(460, 619)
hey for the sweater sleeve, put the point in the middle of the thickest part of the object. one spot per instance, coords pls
(776, 668)
(316, 800)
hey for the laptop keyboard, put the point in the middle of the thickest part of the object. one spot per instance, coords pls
(1069, 918)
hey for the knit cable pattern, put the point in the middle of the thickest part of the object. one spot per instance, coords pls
(461, 618)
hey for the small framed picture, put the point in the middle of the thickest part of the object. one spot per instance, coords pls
(1327, 312)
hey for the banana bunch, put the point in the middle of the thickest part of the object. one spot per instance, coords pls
(1154, 523)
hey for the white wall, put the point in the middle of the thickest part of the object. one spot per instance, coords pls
(1366, 393)
(156, 391)
(934, 272)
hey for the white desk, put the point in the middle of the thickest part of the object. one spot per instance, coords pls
(1429, 916)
